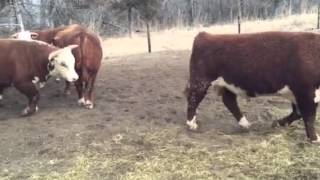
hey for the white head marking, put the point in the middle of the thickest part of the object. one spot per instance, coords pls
(63, 62)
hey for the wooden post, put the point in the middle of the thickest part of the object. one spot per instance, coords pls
(239, 15)
(148, 37)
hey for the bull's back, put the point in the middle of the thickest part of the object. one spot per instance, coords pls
(21, 59)
(264, 61)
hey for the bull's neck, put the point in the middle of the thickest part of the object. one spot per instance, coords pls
(48, 35)
(43, 69)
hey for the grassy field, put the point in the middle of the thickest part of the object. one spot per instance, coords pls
(182, 38)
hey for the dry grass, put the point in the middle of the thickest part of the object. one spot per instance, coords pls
(181, 39)
(285, 155)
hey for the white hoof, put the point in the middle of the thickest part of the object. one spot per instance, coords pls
(1, 97)
(192, 124)
(244, 123)
(81, 102)
(316, 141)
(26, 111)
(89, 104)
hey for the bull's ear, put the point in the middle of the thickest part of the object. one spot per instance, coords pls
(34, 35)
(15, 35)
(73, 46)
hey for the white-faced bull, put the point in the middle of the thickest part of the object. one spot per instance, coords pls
(26, 65)
(88, 56)
(285, 64)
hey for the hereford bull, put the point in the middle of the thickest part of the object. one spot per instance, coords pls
(285, 64)
(27, 65)
(88, 56)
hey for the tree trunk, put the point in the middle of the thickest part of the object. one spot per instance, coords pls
(290, 7)
(130, 21)
(18, 15)
(43, 20)
(190, 12)
(220, 11)
(148, 36)
(275, 7)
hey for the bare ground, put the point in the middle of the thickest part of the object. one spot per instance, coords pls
(137, 131)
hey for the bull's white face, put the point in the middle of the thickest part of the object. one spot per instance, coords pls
(62, 64)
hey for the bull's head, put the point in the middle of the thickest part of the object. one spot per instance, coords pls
(25, 35)
(62, 64)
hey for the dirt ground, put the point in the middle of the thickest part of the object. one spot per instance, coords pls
(137, 129)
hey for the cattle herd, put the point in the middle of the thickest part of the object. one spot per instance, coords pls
(285, 64)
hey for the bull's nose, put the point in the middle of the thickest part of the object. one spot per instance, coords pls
(74, 79)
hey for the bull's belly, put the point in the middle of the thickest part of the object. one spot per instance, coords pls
(5, 81)
(284, 92)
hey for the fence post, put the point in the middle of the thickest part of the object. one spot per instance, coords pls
(148, 36)
(239, 15)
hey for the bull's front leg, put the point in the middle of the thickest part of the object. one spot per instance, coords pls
(79, 88)
(67, 89)
(195, 93)
(230, 101)
(1, 94)
(89, 91)
(30, 90)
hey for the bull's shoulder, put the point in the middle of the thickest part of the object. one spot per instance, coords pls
(201, 38)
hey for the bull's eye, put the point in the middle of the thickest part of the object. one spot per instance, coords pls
(64, 65)
(50, 67)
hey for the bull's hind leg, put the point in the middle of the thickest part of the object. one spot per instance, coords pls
(195, 93)
(230, 101)
(288, 120)
(89, 88)
(79, 88)
(308, 109)
(28, 89)
(1, 93)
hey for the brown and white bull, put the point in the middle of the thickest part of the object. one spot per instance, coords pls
(284, 64)
(27, 65)
(88, 56)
